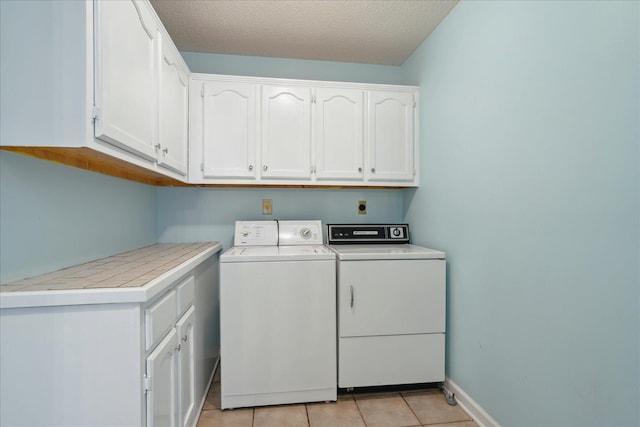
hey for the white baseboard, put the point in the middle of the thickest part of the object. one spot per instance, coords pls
(470, 406)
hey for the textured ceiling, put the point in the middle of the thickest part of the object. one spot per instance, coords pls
(366, 31)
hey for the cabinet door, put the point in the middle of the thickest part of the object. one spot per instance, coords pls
(173, 111)
(286, 132)
(161, 395)
(391, 135)
(229, 130)
(186, 372)
(125, 92)
(338, 134)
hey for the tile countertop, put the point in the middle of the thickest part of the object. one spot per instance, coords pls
(130, 277)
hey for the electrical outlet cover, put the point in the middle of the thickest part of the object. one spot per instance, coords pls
(362, 207)
(267, 207)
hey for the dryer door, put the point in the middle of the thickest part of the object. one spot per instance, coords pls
(391, 297)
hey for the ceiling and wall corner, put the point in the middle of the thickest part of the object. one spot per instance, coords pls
(366, 31)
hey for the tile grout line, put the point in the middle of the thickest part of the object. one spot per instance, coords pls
(359, 411)
(411, 409)
(306, 410)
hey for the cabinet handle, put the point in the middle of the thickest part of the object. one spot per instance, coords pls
(166, 150)
(373, 170)
(158, 146)
(178, 347)
(351, 291)
(359, 169)
(250, 167)
(264, 168)
(185, 337)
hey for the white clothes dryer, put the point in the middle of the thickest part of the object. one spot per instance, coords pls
(391, 306)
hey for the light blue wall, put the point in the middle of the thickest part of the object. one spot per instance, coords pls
(531, 183)
(54, 216)
(201, 214)
(291, 68)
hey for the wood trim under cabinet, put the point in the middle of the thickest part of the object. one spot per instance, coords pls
(95, 161)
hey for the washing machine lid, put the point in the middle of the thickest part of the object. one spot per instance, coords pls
(277, 253)
(383, 252)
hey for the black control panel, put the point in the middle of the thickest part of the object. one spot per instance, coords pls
(367, 233)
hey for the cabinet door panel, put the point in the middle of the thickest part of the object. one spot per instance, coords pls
(391, 297)
(229, 137)
(286, 132)
(338, 132)
(186, 365)
(174, 96)
(391, 136)
(161, 368)
(125, 77)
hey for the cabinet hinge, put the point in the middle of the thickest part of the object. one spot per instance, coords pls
(202, 91)
(147, 383)
(95, 113)
(202, 167)
(414, 104)
(313, 99)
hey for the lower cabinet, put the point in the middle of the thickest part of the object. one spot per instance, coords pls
(124, 363)
(186, 371)
(169, 379)
(161, 383)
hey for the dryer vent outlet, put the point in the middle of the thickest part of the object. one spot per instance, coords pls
(362, 207)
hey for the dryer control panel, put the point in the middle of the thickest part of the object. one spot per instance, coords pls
(367, 233)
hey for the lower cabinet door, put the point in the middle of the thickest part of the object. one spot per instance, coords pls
(186, 372)
(161, 387)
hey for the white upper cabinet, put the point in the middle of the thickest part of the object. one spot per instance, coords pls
(126, 49)
(391, 136)
(286, 132)
(173, 110)
(115, 78)
(223, 130)
(264, 131)
(338, 134)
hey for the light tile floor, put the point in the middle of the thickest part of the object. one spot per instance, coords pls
(401, 409)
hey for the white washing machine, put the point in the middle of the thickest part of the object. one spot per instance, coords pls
(277, 315)
(391, 306)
